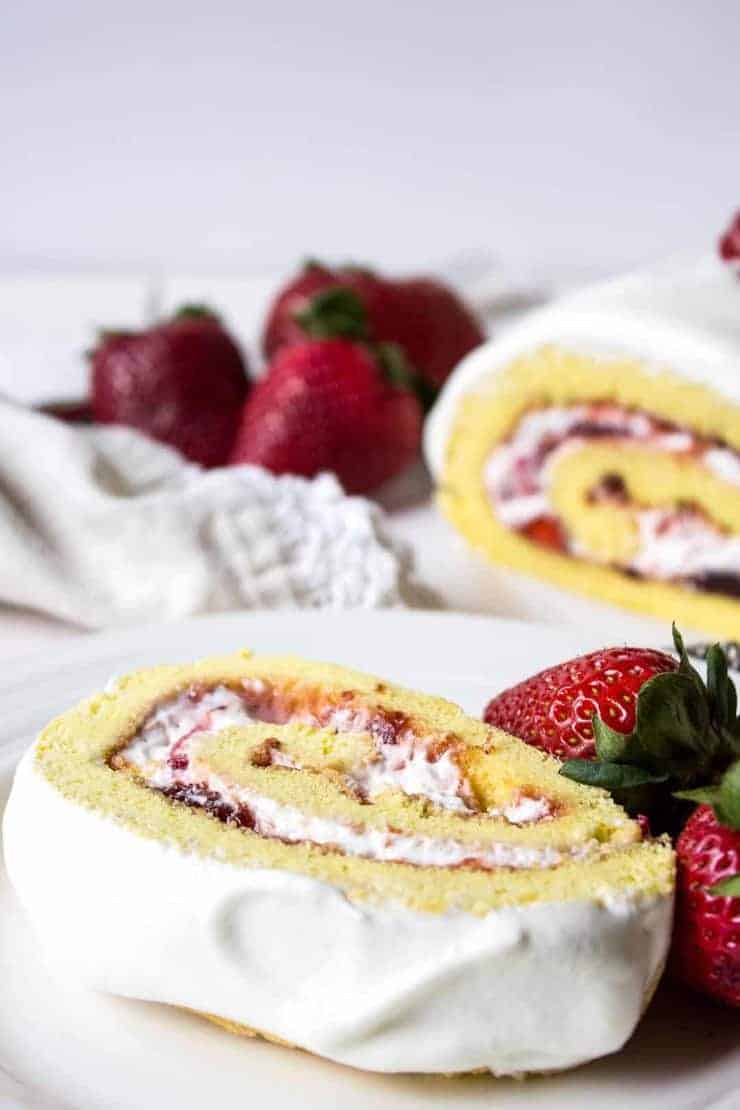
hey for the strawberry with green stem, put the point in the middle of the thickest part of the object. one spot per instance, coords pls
(181, 381)
(431, 324)
(686, 746)
(333, 401)
(649, 730)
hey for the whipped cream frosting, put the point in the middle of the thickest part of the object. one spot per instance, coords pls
(380, 987)
(683, 315)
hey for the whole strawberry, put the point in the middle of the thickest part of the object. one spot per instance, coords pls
(554, 709)
(706, 945)
(430, 323)
(182, 381)
(328, 404)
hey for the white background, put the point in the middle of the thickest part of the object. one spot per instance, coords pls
(240, 135)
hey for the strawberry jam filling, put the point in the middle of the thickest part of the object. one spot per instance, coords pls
(679, 544)
(165, 754)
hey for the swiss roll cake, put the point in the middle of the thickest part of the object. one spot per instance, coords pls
(316, 855)
(596, 444)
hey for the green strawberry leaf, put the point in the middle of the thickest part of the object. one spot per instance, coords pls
(196, 312)
(401, 374)
(610, 776)
(731, 737)
(335, 313)
(673, 720)
(727, 806)
(611, 746)
(702, 795)
(728, 887)
(395, 365)
(723, 796)
(685, 666)
(721, 688)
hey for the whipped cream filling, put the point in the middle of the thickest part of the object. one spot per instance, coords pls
(674, 544)
(269, 818)
(163, 750)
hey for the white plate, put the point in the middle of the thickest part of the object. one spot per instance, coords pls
(61, 1046)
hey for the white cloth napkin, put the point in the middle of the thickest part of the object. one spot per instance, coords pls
(102, 526)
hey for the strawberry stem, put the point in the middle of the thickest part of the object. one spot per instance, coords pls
(196, 312)
(335, 313)
(685, 745)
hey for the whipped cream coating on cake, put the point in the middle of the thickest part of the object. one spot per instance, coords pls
(362, 961)
(682, 315)
(382, 988)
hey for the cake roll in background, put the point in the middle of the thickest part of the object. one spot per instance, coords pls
(314, 854)
(596, 444)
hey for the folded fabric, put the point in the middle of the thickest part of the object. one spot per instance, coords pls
(102, 526)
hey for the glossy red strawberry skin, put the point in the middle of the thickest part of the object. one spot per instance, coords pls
(433, 326)
(425, 317)
(325, 405)
(553, 710)
(182, 382)
(705, 953)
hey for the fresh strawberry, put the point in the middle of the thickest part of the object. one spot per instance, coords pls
(654, 726)
(433, 326)
(546, 531)
(729, 243)
(327, 404)
(706, 944)
(423, 316)
(333, 401)
(554, 709)
(182, 381)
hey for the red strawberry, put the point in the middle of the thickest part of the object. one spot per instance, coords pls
(729, 244)
(422, 315)
(553, 710)
(706, 941)
(182, 381)
(433, 326)
(326, 404)
(546, 531)
(647, 725)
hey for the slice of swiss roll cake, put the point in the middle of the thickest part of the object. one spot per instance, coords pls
(597, 444)
(316, 855)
